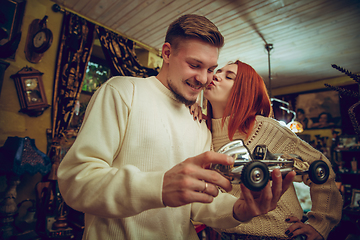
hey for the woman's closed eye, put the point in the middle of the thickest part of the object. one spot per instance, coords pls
(231, 76)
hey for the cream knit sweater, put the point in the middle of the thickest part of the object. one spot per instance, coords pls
(133, 132)
(326, 199)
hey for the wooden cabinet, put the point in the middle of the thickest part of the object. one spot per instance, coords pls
(346, 173)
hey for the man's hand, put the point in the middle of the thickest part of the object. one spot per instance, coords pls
(190, 181)
(252, 204)
(300, 228)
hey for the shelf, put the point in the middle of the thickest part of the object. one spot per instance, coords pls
(351, 149)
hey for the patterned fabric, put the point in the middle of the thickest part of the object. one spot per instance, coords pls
(74, 54)
(20, 155)
(120, 55)
(235, 236)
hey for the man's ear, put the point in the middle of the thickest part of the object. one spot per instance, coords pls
(166, 51)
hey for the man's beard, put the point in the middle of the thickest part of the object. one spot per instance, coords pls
(179, 97)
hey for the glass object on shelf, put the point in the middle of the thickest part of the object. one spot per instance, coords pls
(96, 74)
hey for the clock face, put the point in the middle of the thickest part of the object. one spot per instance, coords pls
(31, 83)
(39, 39)
(42, 40)
(32, 90)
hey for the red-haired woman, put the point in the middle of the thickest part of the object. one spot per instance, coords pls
(239, 108)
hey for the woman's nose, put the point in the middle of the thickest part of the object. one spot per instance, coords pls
(216, 78)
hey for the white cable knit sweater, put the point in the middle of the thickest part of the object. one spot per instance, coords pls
(134, 131)
(326, 199)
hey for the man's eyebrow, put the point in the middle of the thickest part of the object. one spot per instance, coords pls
(215, 66)
(201, 62)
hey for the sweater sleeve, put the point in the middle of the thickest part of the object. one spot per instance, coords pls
(218, 214)
(88, 180)
(326, 199)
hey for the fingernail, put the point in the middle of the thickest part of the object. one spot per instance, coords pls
(278, 174)
(287, 232)
(230, 159)
(288, 219)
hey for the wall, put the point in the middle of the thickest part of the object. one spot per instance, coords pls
(147, 58)
(13, 123)
(304, 87)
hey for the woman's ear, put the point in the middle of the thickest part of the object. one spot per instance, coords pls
(166, 50)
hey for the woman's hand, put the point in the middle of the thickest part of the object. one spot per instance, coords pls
(195, 110)
(252, 204)
(300, 228)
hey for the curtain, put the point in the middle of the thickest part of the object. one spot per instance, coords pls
(73, 56)
(120, 55)
(76, 41)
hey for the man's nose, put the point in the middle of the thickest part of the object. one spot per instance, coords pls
(202, 77)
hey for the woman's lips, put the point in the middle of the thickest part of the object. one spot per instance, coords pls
(210, 85)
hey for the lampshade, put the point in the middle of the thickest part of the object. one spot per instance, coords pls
(20, 155)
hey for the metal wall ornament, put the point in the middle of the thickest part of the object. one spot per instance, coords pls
(354, 110)
(30, 90)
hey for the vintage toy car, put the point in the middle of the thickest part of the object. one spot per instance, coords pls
(254, 170)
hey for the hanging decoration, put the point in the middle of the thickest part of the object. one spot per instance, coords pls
(354, 110)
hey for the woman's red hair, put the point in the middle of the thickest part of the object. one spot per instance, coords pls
(248, 98)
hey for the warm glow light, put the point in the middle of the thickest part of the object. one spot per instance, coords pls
(282, 123)
(295, 127)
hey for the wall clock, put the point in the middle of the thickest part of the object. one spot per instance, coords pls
(38, 41)
(42, 40)
(30, 90)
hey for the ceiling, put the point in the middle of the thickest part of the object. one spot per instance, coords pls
(307, 36)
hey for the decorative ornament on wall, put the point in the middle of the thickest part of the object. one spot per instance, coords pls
(354, 110)
(31, 93)
(38, 41)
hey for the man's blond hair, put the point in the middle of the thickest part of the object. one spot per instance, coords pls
(192, 26)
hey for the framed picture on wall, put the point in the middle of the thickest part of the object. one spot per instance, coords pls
(11, 16)
(355, 198)
(318, 109)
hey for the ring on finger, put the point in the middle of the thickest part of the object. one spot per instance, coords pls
(206, 185)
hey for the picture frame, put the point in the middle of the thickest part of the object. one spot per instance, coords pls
(11, 15)
(314, 109)
(355, 198)
(317, 104)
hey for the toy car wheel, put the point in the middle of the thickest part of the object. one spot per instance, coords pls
(318, 172)
(255, 175)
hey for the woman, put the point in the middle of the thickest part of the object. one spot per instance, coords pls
(239, 108)
(301, 118)
(324, 121)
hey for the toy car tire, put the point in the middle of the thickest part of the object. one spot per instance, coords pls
(318, 172)
(255, 175)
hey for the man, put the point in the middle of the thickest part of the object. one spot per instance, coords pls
(138, 166)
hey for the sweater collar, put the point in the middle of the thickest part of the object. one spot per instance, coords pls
(216, 126)
(164, 89)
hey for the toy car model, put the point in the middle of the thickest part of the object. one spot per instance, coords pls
(254, 170)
